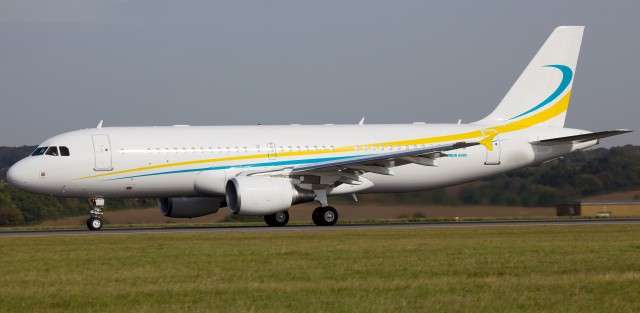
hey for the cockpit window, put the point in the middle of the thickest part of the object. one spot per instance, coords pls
(39, 151)
(64, 151)
(53, 151)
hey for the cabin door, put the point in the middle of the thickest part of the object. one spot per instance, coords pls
(102, 153)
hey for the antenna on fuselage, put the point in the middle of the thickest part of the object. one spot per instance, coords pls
(100, 124)
(361, 121)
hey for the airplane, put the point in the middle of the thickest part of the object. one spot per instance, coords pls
(264, 170)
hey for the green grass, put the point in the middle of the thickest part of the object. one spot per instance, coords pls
(498, 269)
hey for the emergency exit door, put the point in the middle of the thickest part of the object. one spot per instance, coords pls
(493, 155)
(272, 152)
(102, 153)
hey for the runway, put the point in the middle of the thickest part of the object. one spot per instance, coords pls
(312, 228)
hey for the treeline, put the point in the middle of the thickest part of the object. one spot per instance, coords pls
(580, 174)
(575, 176)
(19, 207)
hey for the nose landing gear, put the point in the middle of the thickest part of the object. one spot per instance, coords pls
(94, 222)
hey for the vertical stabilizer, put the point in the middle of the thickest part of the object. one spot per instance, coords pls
(545, 84)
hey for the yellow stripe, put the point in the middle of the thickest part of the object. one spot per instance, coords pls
(553, 111)
(488, 134)
(223, 159)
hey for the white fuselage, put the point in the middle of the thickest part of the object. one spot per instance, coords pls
(183, 161)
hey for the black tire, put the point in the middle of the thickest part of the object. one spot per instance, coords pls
(325, 216)
(315, 216)
(278, 219)
(94, 223)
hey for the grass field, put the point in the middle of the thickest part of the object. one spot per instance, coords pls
(498, 269)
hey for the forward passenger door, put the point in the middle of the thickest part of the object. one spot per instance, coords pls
(102, 153)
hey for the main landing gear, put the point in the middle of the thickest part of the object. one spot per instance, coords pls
(325, 216)
(322, 216)
(277, 219)
(94, 222)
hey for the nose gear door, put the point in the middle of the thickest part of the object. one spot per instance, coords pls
(102, 153)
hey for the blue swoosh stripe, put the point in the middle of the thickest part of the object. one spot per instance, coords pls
(224, 167)
(567, 76)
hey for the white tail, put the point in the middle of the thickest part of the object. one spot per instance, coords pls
(547, 80)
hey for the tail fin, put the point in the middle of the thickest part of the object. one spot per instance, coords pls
(545, 83)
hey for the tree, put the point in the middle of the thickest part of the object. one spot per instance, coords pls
(9, 214)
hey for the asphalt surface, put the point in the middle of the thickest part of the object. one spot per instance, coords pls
(311, 228)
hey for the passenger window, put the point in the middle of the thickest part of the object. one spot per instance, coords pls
(39, 151)
(64, 151)
(53, 151)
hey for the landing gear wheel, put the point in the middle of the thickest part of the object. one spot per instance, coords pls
(277, 219)
(95, 215)
(315, 216)
(325, 216)
(94, 223)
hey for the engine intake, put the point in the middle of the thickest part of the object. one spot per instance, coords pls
(187, 207)
(259, 195)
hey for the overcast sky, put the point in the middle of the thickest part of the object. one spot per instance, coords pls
(67, 64)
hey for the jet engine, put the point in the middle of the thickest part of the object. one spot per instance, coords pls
(261, 195)
(189, 207)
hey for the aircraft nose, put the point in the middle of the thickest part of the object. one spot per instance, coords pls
(16, 176)
(11, 175)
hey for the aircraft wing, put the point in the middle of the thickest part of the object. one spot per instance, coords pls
(582, 137)
(381, 163)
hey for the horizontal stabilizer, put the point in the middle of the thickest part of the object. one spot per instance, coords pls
(583, 137)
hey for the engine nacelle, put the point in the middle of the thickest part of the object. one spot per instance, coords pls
(187, 207)
(260, 195)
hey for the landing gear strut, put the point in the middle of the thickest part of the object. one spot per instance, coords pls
(277, 219)
(94, 222)
(325, 216)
